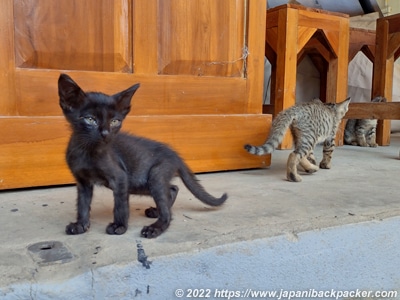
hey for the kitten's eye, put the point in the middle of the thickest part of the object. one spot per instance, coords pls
(115, 123)
(90, 120)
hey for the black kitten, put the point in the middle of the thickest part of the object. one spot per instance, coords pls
(98, 153)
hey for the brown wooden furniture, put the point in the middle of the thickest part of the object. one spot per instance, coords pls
(362, 40)
(383, 56)
(199, 62)
(294, 31)
(387, 51)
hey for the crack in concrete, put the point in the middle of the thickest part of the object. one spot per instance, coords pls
(92, 283)
(33, 282)
(142, 255)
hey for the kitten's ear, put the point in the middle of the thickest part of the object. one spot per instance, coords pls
(344, 106)
(124, 98)
(346, 103)
(71, 95)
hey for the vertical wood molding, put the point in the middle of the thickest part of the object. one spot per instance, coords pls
(257, 10)
(8, 105)
(145, 36)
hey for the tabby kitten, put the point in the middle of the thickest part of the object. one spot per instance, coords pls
(362, 132)
(98, 154)
(309, 123)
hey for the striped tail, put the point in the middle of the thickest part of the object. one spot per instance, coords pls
(279, 127)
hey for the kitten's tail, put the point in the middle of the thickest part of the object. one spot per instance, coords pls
(192, 184)
(278, 129)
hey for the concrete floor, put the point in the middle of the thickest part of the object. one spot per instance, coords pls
(361, 187)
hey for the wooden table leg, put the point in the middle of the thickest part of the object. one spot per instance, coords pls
(286, 67)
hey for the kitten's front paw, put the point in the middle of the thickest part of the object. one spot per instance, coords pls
(113, 228)
(76, 228)
(151, 232)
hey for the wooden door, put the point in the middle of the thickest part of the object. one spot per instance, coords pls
(199, 62)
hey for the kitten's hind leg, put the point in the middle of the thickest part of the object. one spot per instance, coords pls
(309, 163)
(164, 217)
(311, 157)
(291, 169)
(152, 212)
(329, 146)
(308, 166)
(160, 190)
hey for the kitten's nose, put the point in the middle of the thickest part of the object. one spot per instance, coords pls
(104, 133)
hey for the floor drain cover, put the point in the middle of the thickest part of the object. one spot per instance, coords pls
(50, 252)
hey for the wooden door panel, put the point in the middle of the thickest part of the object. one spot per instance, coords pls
(32, 153)
(89, 35)
(201, 37)
(170, 95)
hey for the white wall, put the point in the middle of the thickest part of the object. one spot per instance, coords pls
(389, 7)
